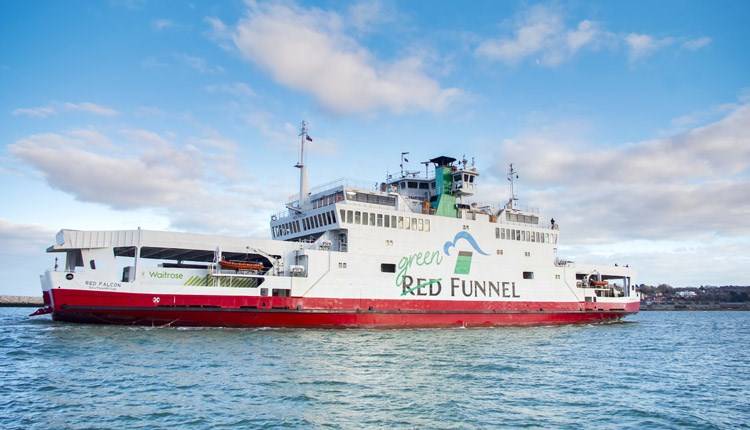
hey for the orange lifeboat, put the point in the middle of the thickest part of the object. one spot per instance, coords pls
(600, 283)
(240, 265)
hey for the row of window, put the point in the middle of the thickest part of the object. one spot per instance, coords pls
(525, 235)
(528, 219)
(389, 221)
(414, 185)
(328, 200)
(308, 223)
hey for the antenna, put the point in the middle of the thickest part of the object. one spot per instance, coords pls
(403, 159)
(426, 169)
(301, 164)
(512, 176)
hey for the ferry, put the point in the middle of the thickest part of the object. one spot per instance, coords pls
(411, 251)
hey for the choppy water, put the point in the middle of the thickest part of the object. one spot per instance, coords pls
(657, 370)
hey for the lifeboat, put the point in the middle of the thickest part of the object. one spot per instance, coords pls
(240, 265)
(600, 283)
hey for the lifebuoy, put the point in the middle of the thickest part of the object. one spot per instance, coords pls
(273, 217)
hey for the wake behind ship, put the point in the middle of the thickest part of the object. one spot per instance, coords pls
(409, 252)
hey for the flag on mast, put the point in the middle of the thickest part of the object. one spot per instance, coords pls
(308, 138)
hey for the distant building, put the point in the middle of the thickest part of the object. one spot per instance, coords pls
(685, 294)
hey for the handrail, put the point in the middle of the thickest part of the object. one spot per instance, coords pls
(344, 181)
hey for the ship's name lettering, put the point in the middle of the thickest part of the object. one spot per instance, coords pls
(472, 288)
(165, 275)
(94, 285)
(460, 287)
(427, 258)
(433, 289)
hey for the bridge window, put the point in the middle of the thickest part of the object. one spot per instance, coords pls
(357, 217)
(364, 218)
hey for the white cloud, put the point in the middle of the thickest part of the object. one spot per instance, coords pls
(93, 177)
(152, 63)
(220, 34)
(702, 116)
(91, 136)
(38, 112)
(150, 111)
(91, 108)
(55, 108)
(161, 24)
(643, 45)
(185, 180)
(541, 33)
(696, 44)
(309, 50)
(22, 249)
(689, 185)
(23, 238)
(238, 89)
(199, 64)
(366, 16)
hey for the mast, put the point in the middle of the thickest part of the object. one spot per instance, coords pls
(512, 175)
(301, 165)
(403, 159)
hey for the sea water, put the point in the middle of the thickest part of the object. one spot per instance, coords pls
(654, 370)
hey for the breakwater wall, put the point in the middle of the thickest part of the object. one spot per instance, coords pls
(29, 301)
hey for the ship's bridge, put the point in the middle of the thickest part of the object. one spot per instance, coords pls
(412, 187)
(463, 182)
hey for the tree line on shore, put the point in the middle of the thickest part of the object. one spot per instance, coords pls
(704, 293)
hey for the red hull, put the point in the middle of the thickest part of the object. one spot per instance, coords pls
(222, 311)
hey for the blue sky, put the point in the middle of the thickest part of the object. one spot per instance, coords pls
(629, 122)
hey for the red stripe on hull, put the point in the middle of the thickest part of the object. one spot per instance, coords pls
(154, 309)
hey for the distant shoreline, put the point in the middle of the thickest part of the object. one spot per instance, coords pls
(21, 301)
(697, 307)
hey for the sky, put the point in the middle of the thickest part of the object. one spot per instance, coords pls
(628, 122)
